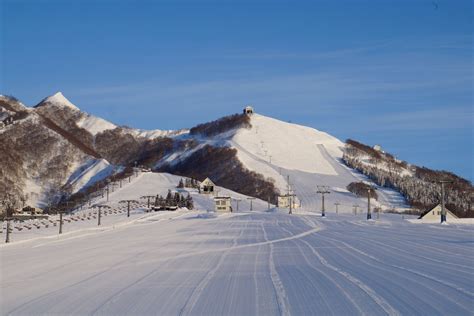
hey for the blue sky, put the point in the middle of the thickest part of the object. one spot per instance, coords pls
(395, 73)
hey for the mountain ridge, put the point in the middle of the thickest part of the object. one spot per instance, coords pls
(248, 153)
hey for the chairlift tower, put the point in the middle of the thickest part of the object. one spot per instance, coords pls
(443, 208)
(323, 189)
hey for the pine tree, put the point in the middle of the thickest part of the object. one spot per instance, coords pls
(189, 202)
(181, 184)
(176, 198)
(169, 198)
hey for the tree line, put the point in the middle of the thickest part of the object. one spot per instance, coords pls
(417, 184)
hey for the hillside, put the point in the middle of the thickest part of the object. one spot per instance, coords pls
(417, 184)
(56, 151)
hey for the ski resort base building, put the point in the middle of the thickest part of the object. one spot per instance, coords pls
(223, 204)
(284, 201)
(435, 214)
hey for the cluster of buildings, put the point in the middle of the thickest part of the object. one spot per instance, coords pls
(224, 203)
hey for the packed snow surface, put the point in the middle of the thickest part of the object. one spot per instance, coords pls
(309, 157)
(291, 146)
(247, 263)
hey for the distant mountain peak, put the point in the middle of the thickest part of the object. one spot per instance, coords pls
(58, 99)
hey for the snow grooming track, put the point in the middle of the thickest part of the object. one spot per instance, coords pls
(280, 293)
(193, 299)
(448, 284)
(53, 293)
(390, 310)
(255, 263)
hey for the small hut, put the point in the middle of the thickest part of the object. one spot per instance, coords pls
(207, 186)
(223, 204)
(435, 213)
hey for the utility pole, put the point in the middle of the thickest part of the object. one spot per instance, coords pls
(128, 205)
(60, 221)
(251, 205)
(10, 203)
(288, 194)
(337, 205)
(270, 158)
(99, 215)
(148, 197)
(7, 239)
(107, 188)
(237, 200)
(355, 208)
(443, 208)
(323, 189)
(369, 214)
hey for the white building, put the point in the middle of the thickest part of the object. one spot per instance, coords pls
(223, 204)
(207, 186)
(284, 201)
(435, 214)
(248, 110)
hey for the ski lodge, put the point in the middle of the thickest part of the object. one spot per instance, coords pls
(207, 186)
(223, 204)
(435, 214)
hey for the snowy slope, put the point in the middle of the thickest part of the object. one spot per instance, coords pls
(144, 184)
(96, 125)
(251, 264)
(310, 157)
(88, 173)
(59, 100)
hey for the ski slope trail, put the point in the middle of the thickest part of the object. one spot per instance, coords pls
(310, 157)
(253, 263)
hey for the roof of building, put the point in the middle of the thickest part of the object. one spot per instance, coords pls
(207, 181)
(222, 198)
(436, 208)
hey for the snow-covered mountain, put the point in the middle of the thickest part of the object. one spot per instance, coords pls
(55, 149)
